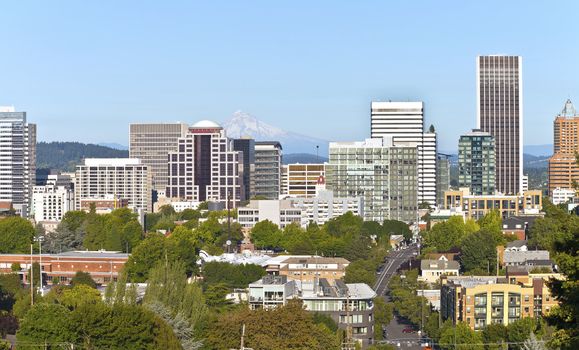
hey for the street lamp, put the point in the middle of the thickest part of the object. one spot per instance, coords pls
(39, 239)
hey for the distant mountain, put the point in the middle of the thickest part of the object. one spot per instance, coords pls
(114, 146)
(531, 161)
(538, 150)
(245, 125)
(304, 158)
(64, 156)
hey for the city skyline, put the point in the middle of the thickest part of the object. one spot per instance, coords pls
(148, 68)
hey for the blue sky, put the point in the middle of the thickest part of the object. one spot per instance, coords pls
(83, 71)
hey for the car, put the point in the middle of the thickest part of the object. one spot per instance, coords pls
(408, 330)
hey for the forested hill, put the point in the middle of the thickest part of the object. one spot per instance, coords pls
(64, 156)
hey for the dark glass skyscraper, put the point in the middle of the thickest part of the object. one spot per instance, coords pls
(247, 147)
(500, 113)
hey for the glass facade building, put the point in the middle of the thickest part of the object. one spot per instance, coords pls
(384, 176)
(476, 162)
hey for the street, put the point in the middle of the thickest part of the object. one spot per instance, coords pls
(394, 330)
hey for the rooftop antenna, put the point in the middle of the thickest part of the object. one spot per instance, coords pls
(318, 154)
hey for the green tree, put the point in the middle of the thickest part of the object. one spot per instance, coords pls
(566, 317)
(448, 234)
(520, 330)
(131, 235)
(479, 252)
(286, 327)
(459, 336)
(495, 333)
(383, 313)
(16, 235)
(233, 276)
(361, 271)
(85, 278)
(266, 234)
(79, 295)
(46, 324)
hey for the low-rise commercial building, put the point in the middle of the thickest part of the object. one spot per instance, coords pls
(432, 270)
(562, 195)
(280, 212)
(103, 266)
(301, 211)
(331, 297)
(477, 206)
(307, 268)
(482, 300)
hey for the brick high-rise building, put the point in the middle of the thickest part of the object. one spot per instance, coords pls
(563, 169)
(205, 167)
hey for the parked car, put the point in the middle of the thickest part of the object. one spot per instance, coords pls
(408, 330)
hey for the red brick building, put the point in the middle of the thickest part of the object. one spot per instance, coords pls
(103, 266)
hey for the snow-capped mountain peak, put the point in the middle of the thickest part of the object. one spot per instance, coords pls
(242, 124)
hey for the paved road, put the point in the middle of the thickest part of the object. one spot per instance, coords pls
(394, 330)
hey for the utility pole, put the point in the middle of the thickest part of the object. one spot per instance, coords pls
(348, 343)
(31, 276)
(229, 225)
(242, 345)
(40, 239)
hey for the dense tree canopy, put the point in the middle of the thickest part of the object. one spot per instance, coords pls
(449, 234)
(286, 327)
(478, 253)
(16, 235)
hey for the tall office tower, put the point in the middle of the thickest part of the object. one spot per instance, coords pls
(442, 177)
(267, 176)
(563, 169)
(122, 178)
(476, 162)
(383, 175)
(404, 122)
(151, 143)
(247, 147)
(302, 179)
(205, 167)
(500, 112)
(17, 160)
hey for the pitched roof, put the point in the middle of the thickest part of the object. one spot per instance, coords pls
(427, 264)
(521, 257)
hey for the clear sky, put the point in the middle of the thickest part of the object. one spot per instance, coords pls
(84, 70)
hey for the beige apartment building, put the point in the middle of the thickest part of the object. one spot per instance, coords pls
(482, 300)
(111, 179)
(477, 206)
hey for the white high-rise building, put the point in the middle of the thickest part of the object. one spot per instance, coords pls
(499, 85)
(123, 178)
(404, 122)
(17, 160)
(50, 203)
